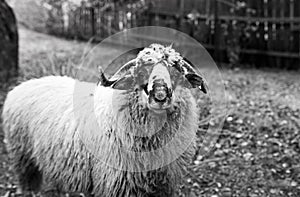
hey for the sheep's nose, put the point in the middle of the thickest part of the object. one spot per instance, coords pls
(160, 93)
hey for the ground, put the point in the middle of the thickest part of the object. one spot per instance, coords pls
(257, 153)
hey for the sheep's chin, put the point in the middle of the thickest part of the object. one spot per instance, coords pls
(157, 111)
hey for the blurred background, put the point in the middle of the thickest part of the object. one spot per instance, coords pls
(260, 32)
(256, 44)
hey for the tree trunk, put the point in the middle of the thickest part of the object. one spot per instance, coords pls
(8, 43)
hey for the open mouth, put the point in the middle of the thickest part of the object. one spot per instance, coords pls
(158, 110)
(159, 97)
(157, 105)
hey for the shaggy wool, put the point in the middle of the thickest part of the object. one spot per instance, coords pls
(68, 139)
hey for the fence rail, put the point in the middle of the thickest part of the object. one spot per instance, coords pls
(266, 32)
(270, 36)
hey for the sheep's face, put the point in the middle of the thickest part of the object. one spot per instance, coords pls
(158, 89)
(155, 75)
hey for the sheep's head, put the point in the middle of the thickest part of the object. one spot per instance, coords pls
(156, 73)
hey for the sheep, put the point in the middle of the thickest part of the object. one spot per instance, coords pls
(144, 115)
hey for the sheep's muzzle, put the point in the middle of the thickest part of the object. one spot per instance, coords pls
(160, 96)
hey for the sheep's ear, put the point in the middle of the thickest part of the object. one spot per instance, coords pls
(196, 80)
(124, 83)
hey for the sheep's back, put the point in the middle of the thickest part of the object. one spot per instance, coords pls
(39, 122)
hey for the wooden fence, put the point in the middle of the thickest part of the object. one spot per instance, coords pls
(266, 32)
(100, 21)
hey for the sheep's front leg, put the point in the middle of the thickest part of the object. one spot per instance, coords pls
(28, 174)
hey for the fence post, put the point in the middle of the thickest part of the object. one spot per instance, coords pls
(207, 8)
(217, 29)
(150, 8)
(181, 11)
(93, 22)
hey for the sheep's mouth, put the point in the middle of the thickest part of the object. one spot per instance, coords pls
(159, 108)
(158, 98)
(159, 105)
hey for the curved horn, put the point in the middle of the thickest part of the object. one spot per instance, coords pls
(102, 78)
(185, 67)
(121, 79)
(121, 72)
(188, 66)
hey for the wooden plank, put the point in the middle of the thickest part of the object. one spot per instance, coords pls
(266, 35)
(201, 6)
(297, 8)
(283, 8)
(93, 21)
(238, 18)
(274, 8)
(210, 47)
(262, 19)
(216, 31)
(292, 14)
(262, 52)
(79, 28)
(278, 19)
(273, 42)
(207, 8)
(290, 39)
(258, 6)
(181, 13)
(84, 22)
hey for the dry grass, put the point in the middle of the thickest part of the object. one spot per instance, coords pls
(42, 55)
(258, 150)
